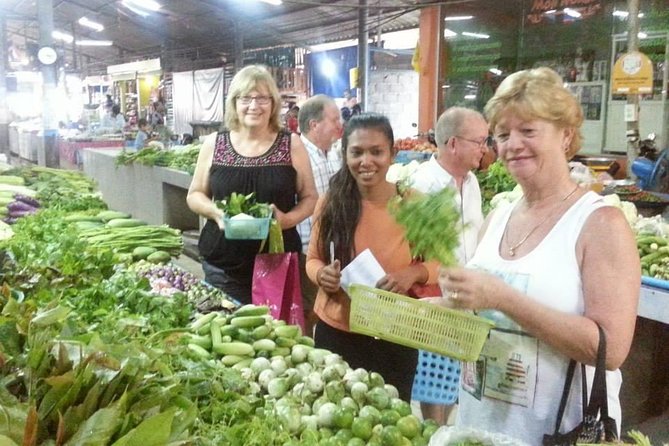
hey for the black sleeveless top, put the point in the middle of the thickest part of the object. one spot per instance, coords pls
(273, 179)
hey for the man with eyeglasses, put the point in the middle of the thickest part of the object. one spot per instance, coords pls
(462, 140)
(321, 126)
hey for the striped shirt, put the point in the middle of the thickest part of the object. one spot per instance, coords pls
(323, 166)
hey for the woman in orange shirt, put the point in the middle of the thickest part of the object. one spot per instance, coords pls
(354, 216)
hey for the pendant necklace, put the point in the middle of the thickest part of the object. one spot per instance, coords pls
(512, 249)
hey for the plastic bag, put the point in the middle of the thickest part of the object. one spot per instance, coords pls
(452, 435)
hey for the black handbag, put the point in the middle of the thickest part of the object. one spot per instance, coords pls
(596, 426)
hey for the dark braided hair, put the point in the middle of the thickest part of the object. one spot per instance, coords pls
(343, 202)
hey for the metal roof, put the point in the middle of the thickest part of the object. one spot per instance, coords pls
(193, 34)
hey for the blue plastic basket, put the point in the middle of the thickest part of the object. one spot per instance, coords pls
(246, 229)
(437, 379)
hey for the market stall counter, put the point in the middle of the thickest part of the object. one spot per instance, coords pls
(70, 149)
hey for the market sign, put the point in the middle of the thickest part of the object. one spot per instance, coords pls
(632, 74)
(547, 10)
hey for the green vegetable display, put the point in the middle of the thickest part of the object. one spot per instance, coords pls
(492, 181)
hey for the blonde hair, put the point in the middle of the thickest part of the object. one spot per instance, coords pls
(538, 93)
(247, 79)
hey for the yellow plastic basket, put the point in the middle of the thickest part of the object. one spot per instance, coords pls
(417, 324)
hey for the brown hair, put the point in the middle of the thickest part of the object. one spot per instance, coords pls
(538, 93)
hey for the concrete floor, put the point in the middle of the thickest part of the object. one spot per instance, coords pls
(639, 410)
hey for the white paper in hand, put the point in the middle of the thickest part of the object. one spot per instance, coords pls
(364, 269)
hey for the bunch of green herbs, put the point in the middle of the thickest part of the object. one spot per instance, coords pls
(244, 204)
(431, 222)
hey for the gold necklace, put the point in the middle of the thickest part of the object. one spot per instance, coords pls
(512, 249)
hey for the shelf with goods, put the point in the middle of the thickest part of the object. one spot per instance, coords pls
(654, 106)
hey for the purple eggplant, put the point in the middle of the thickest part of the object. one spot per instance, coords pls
(10, 220)
(20, 206)
(19, 214)
(27, 200)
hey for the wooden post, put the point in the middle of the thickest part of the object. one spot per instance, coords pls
(431, 68)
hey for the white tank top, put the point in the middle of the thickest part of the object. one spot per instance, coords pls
(516, 387)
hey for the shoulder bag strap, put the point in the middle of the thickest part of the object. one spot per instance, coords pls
(598, 396)
(565, 395)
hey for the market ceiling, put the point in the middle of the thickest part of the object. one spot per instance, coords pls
(194, 34)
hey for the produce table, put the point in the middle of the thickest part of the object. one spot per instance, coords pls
(70, 150)
(156, 195)
(654, 304)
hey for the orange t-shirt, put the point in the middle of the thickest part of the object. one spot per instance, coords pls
(378, 231)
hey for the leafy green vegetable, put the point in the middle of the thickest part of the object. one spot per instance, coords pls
(431, 222)
(492, 181)
(244, 204)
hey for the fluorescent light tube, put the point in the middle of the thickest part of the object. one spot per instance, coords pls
(272, 2)
(85, 21)
(149, 5)
(457, 18)
(476, 35)
(572, 13)
(59, 35)
(94, 42)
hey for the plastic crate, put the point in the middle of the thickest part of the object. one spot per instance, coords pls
(437, 379)
(406, 156)
(246, 229)
(421, 325)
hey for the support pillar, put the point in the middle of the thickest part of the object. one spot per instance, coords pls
(432, 67)
(239, 47)
(48, 155)
(363, 54)
(632, 99)
(4, 110)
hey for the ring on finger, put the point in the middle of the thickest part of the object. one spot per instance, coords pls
(453, 295)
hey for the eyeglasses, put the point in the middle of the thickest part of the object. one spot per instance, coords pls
(488, 142)
(260, 100)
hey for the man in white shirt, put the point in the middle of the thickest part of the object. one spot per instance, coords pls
(320, 126)
(462, 138)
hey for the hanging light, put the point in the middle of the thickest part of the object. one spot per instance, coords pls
(141, 7)
(59, 35)
(94, 42)
(88, 23)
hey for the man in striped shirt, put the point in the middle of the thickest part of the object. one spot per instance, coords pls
(320, 123)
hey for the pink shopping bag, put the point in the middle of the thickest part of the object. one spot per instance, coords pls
(276, 282)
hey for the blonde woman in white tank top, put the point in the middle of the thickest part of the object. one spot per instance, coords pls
(548, 269)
